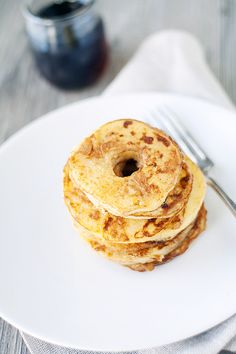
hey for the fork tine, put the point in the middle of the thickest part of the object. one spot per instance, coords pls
(153, 119)
(166, 125)
(175, 133)
(183, 133)
(170, 120)
(158, 116)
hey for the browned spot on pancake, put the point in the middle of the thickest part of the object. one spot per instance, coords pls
(170, 164)
(86, 148)
(127, 123)
(177, 219)
(158, 226)
(147, 139)
(184, 181)
(164, 205)
(105, 147)
(163, 140)
(97, 153)
(97, 246)
(95, 215)
(146, 233)
(108, 222)
(132, 133)
(142, 267)
(120, 220)
(74, 205)
(162, 170)
(142, 182)
(176, 196)
(154, 187)
(113, 232)
(169, 205)
(121, 135)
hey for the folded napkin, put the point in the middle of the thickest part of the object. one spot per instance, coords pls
(170, 61)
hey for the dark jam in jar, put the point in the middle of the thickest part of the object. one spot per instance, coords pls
(58, 9)
(72, 51)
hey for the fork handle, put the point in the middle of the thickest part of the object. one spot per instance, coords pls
(226, 199)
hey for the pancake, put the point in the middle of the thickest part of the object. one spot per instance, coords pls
(198, 227)
(126, 167)
(125, 230)
(145, 256)
(175, 200)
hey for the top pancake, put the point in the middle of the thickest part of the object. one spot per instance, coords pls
(97, 165)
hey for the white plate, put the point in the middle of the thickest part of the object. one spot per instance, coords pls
(53, 286)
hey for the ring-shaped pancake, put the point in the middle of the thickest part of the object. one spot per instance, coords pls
(94, 167)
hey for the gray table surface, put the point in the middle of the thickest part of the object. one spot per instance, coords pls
(24, 95)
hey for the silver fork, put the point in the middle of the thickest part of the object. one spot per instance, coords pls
(169, 121)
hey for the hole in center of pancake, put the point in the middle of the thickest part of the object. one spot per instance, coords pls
(126, 168)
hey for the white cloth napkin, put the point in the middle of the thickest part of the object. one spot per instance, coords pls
(170, 61)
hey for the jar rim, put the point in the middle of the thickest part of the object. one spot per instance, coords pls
(29, 15)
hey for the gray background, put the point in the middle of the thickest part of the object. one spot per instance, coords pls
(24, 95)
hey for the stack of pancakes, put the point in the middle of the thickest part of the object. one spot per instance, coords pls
(133, 194)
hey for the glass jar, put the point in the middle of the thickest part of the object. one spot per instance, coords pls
(67, 40)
